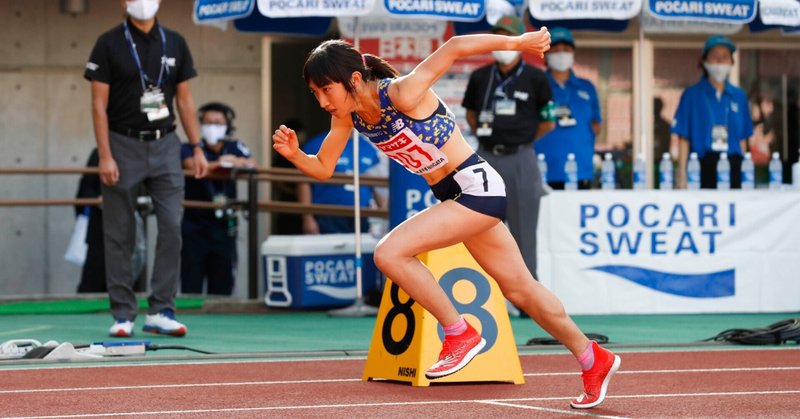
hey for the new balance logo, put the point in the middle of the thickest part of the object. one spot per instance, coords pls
(397, 125)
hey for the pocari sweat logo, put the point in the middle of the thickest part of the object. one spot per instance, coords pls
(333, 277)
(658, 229)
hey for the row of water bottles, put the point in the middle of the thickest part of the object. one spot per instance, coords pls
(666, 177)
(607, 173)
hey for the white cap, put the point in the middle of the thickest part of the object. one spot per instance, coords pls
(775, 155)
(665, 156)
(693, 155)
(540, 156)
(748, 156)
(607, 156)
(570, 156)
(723, 155)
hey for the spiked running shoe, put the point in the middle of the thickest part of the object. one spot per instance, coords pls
(122, 328)
(164, 323)
(457, 352)
(595, 380)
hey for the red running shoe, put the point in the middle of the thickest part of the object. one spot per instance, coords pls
(595, 380)
(457, 352)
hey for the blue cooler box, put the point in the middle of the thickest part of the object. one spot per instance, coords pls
(316, 271)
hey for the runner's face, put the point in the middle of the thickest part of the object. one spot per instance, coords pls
(333, 98)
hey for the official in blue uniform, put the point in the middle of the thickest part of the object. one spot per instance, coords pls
(577, 112)
(713, 117)
(333, 194)
(209, 236)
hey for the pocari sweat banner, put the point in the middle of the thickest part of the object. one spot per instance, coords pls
(305, 8)
(545, 10)
(460, 10)
(671, 252)
(214, 10)
(731, 11)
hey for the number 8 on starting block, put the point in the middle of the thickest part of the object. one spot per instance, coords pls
(407, 339)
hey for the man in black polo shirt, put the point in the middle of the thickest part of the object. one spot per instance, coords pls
(137, 69)
(504, 101)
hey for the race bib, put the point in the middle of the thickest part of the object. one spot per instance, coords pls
(417, 157)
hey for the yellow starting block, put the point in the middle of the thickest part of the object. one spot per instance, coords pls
(407, 339)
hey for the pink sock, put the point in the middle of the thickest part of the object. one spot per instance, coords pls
(586, 359)
(456, 328)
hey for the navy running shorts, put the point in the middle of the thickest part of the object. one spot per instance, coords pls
(475, 185)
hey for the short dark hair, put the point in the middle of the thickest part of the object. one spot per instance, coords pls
(335, 60)
(226, 110)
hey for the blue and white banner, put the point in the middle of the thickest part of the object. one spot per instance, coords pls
(652, 24)
(671, 252)
(304, 8)
(584, 9)
(731, 11)
(382, 27)
(779, 12)
(458, 10)
(222, 10)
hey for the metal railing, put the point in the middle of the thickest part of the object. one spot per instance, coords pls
(251, 205)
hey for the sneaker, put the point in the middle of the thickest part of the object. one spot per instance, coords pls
(457, 352)
(595, 380)
(164, 323)
(122, 328)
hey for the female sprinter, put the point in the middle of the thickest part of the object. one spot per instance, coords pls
(403, 117)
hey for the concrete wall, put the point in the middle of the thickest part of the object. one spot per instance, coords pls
(45, 121)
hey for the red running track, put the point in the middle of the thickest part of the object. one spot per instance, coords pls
(708, 384)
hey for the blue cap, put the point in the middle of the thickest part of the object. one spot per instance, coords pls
(716, 40)
(559, 34)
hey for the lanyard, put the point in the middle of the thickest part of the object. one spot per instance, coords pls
(558, 89)
(502, 85)
(132, 48)
(726, 103)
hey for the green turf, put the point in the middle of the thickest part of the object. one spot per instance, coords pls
(78, 306)
(316, 331)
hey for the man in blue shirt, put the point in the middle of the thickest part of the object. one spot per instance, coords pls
(209, 236)
(336, 194)
(577, 115)
(713, 117)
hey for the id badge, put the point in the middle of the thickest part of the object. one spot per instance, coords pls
(220, 199)
(719, 138)
(564, 117)
(154, 105)
(505, 107)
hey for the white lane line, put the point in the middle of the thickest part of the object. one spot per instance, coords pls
(382, 404)
(354, 380)
(25, 330)
(673, 371)
(549, 410)
(184, 385)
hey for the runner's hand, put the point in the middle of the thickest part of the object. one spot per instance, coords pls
(285, 142)
(536, 42)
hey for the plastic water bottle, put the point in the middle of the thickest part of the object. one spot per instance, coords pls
(607, 176)
(665, 172)
(542, 167)
(748, 173)
(775, 172)
(723, 172)
(571, 169)
(639, 172)
(693, 172)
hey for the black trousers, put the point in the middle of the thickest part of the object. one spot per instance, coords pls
(708, 170)
(210, 255)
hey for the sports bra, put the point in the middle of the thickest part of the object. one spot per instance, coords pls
(435, 129)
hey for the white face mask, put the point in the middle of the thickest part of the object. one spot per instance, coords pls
(142, 9)
(718, 72)
(505, 57)
(560, 61)
(212, 133)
